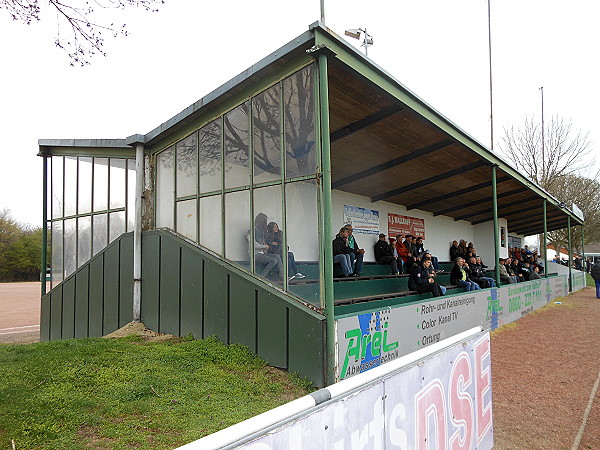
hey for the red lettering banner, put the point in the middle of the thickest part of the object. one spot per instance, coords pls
(403, 225)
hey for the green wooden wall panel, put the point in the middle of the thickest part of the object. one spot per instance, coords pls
(81, 302)
(242, 312)
(126, 280)
(169, 287)
(96, 289)
(68, 309)
(215, 300)
(191, 293)
(272, 330)
(111, 290)
(45, 318)
(306, 346)
(150, 280)
(56, 313)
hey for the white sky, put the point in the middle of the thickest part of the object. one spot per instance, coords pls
(437, 48)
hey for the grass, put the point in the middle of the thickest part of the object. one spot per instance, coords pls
(589, 281)
(129, 393)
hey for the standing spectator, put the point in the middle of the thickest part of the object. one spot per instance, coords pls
(341, 252)
(421, 281)
(459, 277)
(595, 272)
(384, 254)
(356, 253)
(454, 251)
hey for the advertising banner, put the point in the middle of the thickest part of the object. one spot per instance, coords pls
(519, 299)
(445, 401)
(365, 221)
(403, 225)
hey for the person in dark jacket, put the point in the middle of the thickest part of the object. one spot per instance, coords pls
(459, 277)
(341, 252)
(384, 254)
(356, 253)
(454, 251)
(421, 281)
(595, 273)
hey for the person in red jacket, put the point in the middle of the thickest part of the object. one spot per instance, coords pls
(404, 252)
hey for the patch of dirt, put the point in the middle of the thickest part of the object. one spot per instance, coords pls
(139, 329)
(543, 371)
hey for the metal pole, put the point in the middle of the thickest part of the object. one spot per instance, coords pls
(137, 232)
(44, 225)
(546, 240)
(323, 12)
(583, 248)
(570, 260)
(490, 61)
(543, 179)
(496, 231)
(327, 262)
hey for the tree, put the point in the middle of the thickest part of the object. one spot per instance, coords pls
(562, 167)
(20, 250)
(84, 36)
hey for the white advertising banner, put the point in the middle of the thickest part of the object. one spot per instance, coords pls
(363, 220)
(444, 401)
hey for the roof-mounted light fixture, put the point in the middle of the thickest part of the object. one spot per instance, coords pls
(355, 34)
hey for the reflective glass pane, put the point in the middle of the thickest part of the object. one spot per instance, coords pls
(209, 145)
(116, 225)
(266, 143)
(237, 156)
(99, 232)
(237, 227)
(303, 238)
(57, 187)
(187, 166)
(165, 186)
(70, 185)
(299, 110)
(84, 240)
(100, 184)
(210, 223)
(187, 218)
(267, 238)
(70, 246)
(117, 183)
(57, 252)
(130, 194)
(85, 185)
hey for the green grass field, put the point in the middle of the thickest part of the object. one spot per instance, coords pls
(130, 393)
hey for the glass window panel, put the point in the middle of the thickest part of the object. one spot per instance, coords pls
(85, 185)
(117, 183)
(84, 240)
(116, 226)
(267, 211)
(209, 147)
(211, 223)
(100, 184)
(237, 227)
(237, 154)
(299, 110)
(57, 251)
(187, 218)
(99, 232)
(165, 186)
(57, 188)
(130, 194)
(187, 166)
(70, 246)
(266, 143)
(303, 238)
(70, 185)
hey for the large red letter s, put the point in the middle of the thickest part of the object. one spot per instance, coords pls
(430, 403)
(482, 383)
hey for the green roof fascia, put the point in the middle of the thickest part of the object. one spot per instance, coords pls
(361, 64)
(104, 148)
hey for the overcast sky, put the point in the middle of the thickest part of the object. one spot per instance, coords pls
(436, 48)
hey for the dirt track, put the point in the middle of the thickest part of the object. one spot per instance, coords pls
(19, 312)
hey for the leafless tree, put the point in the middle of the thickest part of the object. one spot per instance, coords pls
(84, 35)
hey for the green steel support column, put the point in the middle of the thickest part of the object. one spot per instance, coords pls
(583, 248)
(496, 230)
(545, 239)
(44, 225)
(570, 260)
(327, 262)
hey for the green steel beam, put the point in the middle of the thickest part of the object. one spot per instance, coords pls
(44, 224)
(583, 247)
(496, 230)
(545, 240)
(570, 261)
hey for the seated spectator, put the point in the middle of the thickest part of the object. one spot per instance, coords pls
(504, 277)
(404, 253)
(509, 269)
(454, 251)
(421, 281)
(421, 250)
(433, 271)
(459, 277)
(384, 254)
(357, 253)
(341, 252)
(275, 241)
(517, 270)
(477, 274)
(535, 273)
(261, 247)
(395, 250)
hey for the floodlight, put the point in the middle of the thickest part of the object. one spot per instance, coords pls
(356, 32)
(353, 33)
